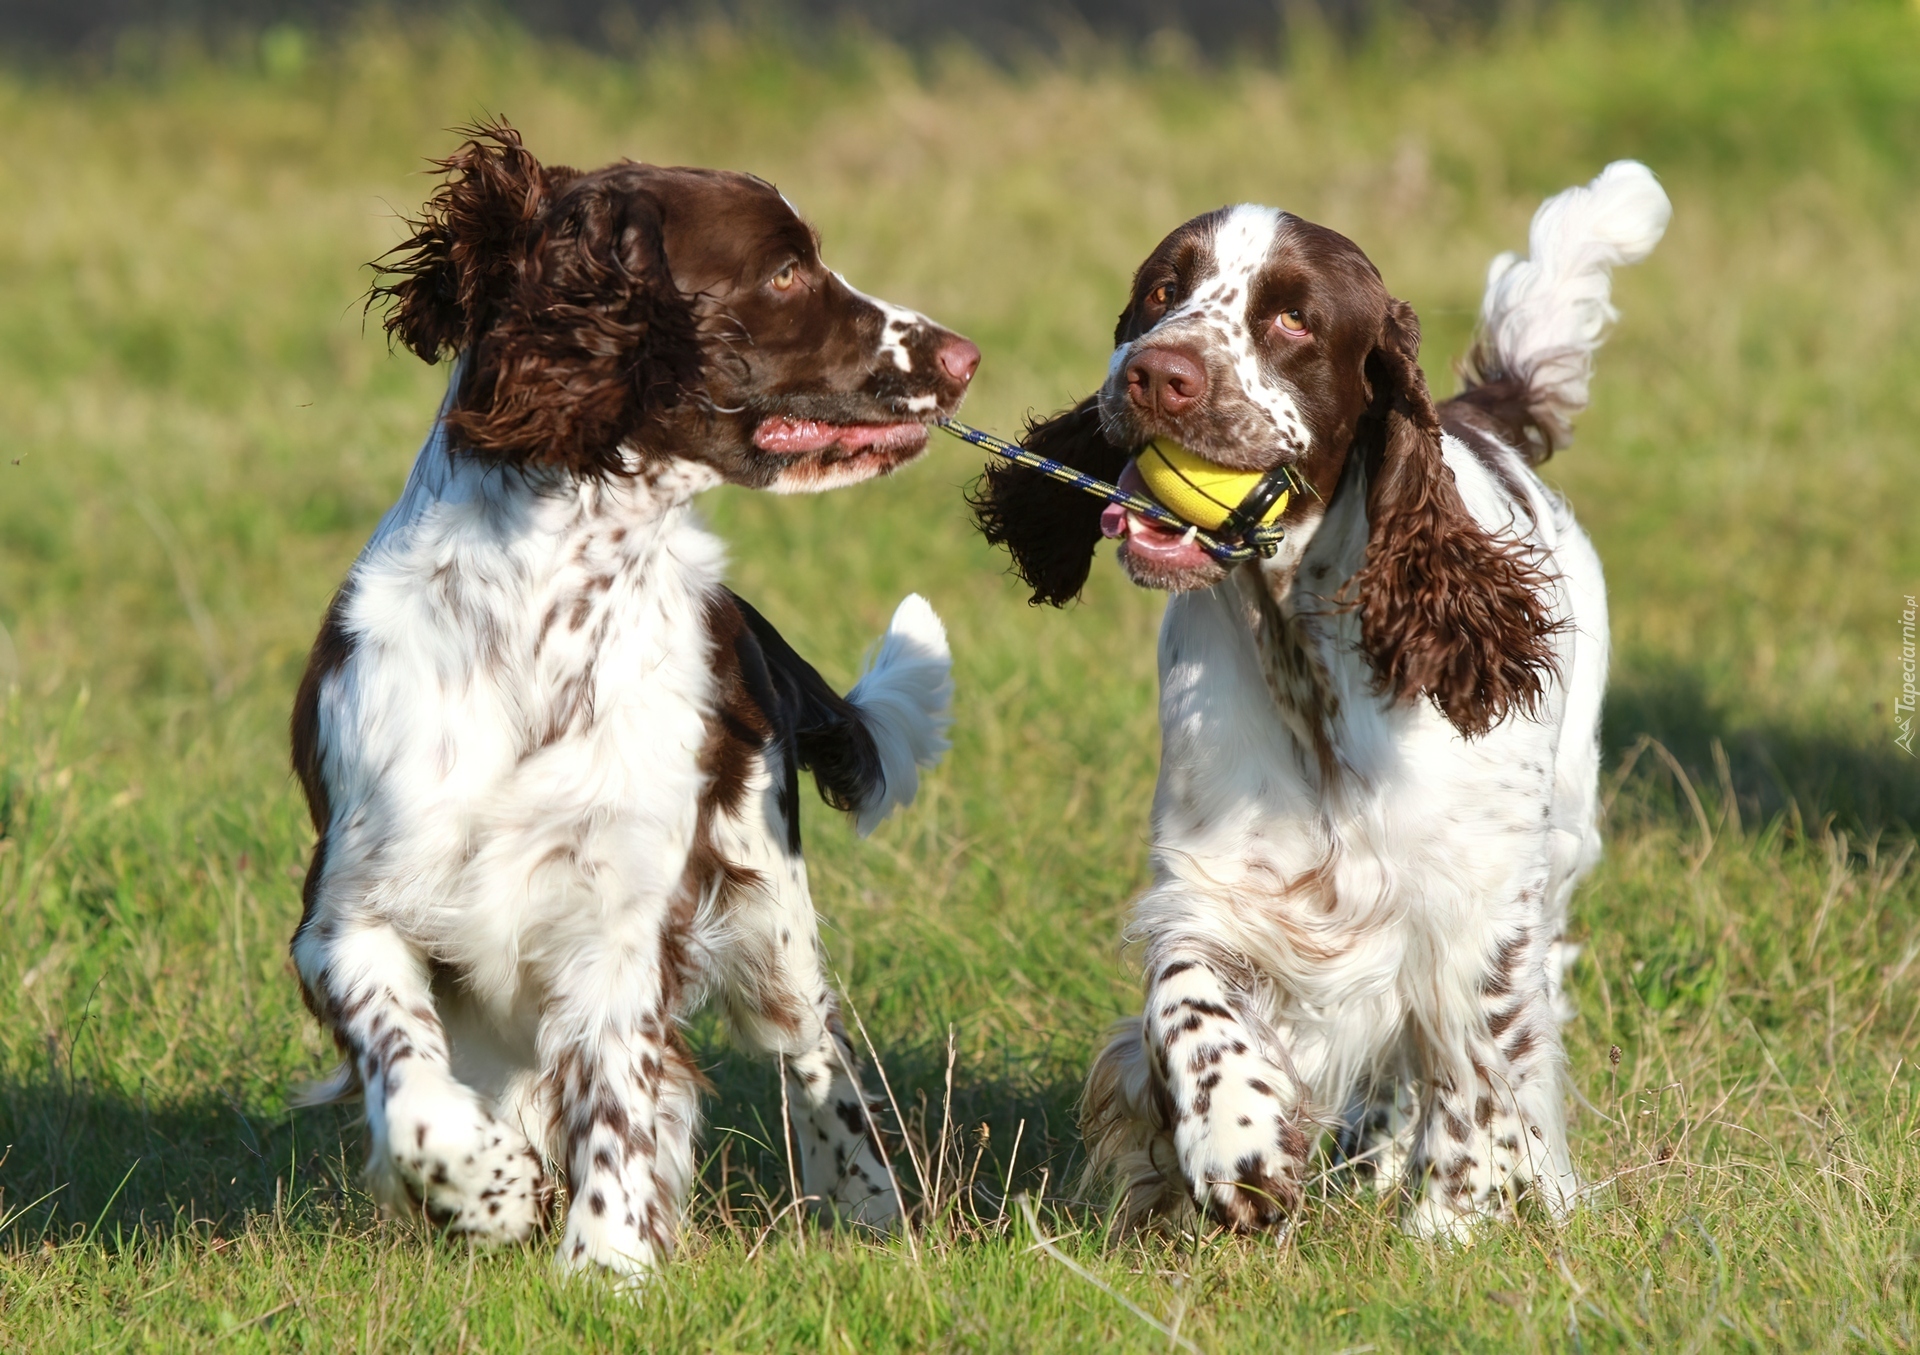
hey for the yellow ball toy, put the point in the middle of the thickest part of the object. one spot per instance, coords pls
(1197, 490)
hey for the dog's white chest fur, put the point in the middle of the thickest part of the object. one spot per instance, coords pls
(520, 722)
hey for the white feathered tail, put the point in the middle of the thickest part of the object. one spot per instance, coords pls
(1543, 316)
(905, 699)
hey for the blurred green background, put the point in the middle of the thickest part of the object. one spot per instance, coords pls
(199, 427)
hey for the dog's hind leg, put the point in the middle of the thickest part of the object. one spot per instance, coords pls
(863, 750)
(833, 1124)
(436, 1148)
(766, 938)
(1375, 1141)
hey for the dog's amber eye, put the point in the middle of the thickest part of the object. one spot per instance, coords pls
(1293, 322)
(1158, 298)
(783, 280)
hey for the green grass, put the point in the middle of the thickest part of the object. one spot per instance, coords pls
(200, 430)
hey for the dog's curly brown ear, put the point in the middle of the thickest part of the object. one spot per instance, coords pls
(1050, 529)
(447, 281)
(594, 340)
(556, 288)
(1447, 611)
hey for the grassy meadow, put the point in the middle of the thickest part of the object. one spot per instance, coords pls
(198, 429)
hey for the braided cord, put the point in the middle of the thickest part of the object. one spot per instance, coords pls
(1256, 542)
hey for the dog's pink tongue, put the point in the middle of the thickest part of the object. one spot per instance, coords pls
(1113, 518)
(1146, 540)
(794, 436)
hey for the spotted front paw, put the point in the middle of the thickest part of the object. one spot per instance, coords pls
(471, 1174)
(1256, 1190)
(1243, 1156)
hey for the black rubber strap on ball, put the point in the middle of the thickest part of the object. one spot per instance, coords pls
(1259, 501)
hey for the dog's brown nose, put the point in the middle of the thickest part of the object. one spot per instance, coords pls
(958, 358)
(1165, 380)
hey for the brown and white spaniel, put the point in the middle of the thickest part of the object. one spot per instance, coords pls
(553, 762)
(1380, 746)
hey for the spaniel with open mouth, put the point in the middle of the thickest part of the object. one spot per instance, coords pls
(552, 761)
(1379, 746)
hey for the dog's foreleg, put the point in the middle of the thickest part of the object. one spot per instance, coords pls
(1494, 1122)
(435, 1146)
(626, 1097)
(1235, 1110)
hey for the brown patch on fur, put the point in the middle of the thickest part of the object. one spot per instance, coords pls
(573, 708)
(1258, 1198)
(738, 730)
(1446, 611)
(1295, 678)
(1499, 980)
(332, 648)
(1522, 1044)
(1498, 410)
(738, 735)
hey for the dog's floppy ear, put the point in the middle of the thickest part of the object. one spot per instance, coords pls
(556, 288)
(1446, 610)
(447, 281)
(1050, 529)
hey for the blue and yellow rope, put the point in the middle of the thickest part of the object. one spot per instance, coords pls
(1257, 542)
